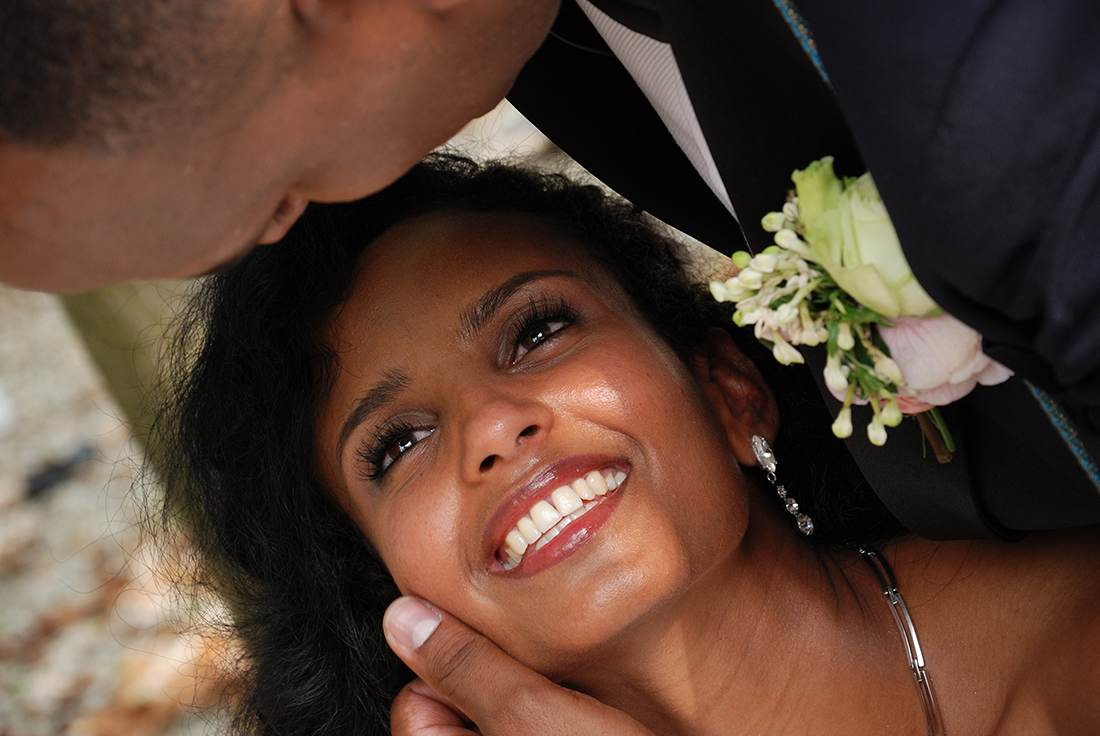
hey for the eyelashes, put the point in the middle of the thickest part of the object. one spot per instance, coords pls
(539, 321)
(529, 328)
(392, 439)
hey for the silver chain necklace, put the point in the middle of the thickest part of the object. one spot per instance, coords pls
(908, 635)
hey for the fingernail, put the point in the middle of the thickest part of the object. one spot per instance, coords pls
(409, 622)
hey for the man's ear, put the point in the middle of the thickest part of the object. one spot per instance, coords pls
(741, 399)
(286, 214)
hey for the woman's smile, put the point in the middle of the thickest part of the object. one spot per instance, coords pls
(541, 523)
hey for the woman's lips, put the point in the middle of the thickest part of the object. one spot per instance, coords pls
(560, 510)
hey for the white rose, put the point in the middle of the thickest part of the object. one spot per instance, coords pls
(851, 236)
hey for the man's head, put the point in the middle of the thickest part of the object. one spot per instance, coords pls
(166, 137)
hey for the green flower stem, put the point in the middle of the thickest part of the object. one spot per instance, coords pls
(936, 432)
(806, 290)
(941, 425)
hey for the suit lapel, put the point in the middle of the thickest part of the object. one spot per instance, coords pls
(762, 106)
(579, 95)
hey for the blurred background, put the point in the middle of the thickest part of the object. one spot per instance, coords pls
(94, 637)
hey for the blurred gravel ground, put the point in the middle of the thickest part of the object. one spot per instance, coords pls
(86, 638)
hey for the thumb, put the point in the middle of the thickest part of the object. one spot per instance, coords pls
(495, 691)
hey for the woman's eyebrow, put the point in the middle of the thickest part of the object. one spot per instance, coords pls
(480, 313)
(375, 398)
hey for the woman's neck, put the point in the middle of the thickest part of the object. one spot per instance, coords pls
(776, 638)
(779, 638)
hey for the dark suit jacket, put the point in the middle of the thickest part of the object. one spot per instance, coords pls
(765, 112)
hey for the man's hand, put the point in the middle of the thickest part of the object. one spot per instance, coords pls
(468, 685)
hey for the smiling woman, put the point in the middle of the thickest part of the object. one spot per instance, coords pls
(500, 391)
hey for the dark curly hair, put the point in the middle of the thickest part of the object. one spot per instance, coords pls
(235, 442)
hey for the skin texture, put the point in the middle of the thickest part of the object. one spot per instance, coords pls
(694, 608)
(370, 89)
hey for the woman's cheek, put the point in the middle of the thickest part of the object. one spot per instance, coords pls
(419, 535)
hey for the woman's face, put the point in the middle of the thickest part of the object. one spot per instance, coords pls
(487, 368)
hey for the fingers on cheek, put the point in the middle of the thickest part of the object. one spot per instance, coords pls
(420, 688)
(419, 709)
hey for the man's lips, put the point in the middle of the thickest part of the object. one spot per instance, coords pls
(542, 510)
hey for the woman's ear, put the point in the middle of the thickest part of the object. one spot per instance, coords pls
(735, 389)
(286, 214)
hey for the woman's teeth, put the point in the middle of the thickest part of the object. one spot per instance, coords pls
(547, 518)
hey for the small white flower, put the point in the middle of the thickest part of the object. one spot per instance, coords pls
(751, 316)
(876, 432)
(836, 374)
(766, 327)
(751, 278)
(787, 238)
(891, 413)
(886, 367)
(785, 353)
(787, 313)
(790, 211)
(735, 288)
(765, 262)
(842, 426)
(774, 221)
(844, 338)
(720, 293)
(812, 332)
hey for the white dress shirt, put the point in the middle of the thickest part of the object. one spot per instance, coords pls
(653, 66)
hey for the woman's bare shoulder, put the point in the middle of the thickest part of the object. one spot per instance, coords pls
(1011, 631)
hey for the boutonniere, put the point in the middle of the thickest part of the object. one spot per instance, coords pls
(837, 276)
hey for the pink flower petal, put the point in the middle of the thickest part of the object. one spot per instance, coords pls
(930, 351)
(993, 374)
(947, 393)
(911, 405)
(971, 369)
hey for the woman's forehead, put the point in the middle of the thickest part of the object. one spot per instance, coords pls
(434, 240)
(460, 254)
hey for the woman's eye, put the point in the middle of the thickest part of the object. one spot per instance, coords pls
(401, 444)
(537, 335)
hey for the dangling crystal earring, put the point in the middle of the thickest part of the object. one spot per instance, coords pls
(765, 458)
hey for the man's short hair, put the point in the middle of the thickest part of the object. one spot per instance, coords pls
(110, 73)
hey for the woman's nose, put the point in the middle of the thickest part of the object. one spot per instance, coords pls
(500, 430)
